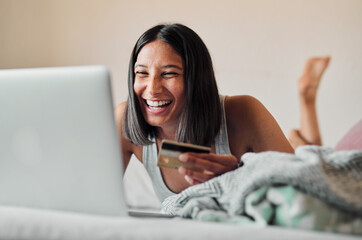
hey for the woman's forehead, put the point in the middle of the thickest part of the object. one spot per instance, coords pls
(158, 53)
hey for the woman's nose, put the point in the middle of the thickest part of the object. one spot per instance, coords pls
(155, 85)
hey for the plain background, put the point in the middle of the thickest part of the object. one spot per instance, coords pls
(258, 47)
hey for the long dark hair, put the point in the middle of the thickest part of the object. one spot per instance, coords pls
(200, 119)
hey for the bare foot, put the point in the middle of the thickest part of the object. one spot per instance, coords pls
(296, 139)
(308, 83)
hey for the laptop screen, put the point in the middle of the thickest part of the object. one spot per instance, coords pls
(59, 147)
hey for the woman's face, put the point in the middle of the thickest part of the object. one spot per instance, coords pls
(159, 84)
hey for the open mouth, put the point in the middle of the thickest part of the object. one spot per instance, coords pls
(157, 104)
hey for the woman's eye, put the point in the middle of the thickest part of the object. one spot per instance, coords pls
(141, 74)
(170, 74)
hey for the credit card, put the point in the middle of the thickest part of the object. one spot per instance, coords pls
(171, 150)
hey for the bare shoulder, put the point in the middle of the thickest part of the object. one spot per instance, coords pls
(243, 109)
(118, 114)
(252, 125)
(119, 110)
(243, 103)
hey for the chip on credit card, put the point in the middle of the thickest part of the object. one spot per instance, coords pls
(171, 150)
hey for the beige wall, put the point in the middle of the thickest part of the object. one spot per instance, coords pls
(258, 47)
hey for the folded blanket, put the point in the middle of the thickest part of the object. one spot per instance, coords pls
(315, 188)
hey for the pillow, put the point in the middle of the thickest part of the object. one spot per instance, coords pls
(352, 140)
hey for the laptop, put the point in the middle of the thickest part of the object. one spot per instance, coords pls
(59, 147)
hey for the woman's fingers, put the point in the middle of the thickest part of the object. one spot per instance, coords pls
(214, 163)
(222, 159)
(211, 164)
(194, 177)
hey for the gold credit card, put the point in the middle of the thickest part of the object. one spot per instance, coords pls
(171, 150)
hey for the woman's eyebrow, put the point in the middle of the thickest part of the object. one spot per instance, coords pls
(140, 65)
(166, 66)
(172, 66)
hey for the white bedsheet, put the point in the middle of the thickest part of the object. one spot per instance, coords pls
(21, 223)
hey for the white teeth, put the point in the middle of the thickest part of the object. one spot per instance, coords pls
(157, 103)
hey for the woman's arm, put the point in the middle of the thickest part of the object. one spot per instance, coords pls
(126, 145)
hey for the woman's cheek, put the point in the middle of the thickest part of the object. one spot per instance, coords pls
(137, 87)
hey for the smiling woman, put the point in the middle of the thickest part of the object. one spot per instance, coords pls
(173, 57)
(173, 95)
(159, 86)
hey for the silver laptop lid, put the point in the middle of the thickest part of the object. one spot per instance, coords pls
(59, 147)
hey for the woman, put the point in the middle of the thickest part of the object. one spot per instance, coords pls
(173, 95)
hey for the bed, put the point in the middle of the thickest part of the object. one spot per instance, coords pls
(19, 223)
(24, 223)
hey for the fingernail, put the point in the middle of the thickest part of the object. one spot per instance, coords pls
(182, 170)
(189, 180)
(183, 157)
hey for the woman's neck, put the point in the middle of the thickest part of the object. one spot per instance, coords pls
(167, 133)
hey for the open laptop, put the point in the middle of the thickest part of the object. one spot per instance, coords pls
(59, 147)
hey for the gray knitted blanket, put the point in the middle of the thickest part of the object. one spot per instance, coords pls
(315, 180)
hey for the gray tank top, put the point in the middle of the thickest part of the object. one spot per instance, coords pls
(150, 153)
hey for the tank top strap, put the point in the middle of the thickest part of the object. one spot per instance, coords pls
(221, 140)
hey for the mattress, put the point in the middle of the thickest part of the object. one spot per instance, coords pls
(23, 223)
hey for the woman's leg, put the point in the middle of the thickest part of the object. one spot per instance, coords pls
(308, 85)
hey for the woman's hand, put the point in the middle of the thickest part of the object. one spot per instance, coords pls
(212, 164)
